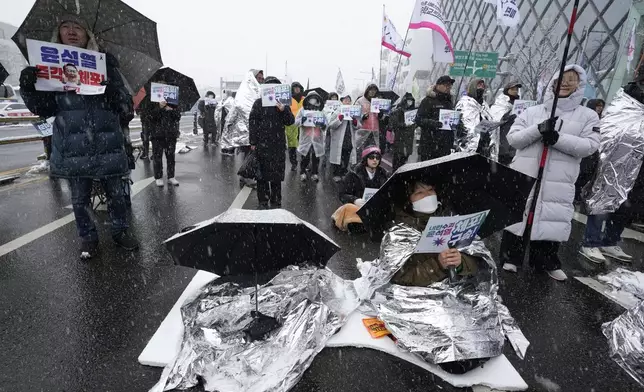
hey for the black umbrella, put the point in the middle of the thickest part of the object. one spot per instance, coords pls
(388, 95)
(188, 93)
(468, 182)
(4, 74)
(119, 30)
(245, 242)
(322, 92)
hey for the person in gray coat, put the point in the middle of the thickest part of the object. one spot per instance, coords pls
(572, 136)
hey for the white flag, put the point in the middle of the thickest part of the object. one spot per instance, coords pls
(631, 48)
(339, 83)
(428, 14)
(391, 39)
(507, 13)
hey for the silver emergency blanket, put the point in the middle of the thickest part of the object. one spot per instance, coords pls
(228, 104)
(441, 322)
(626, 341)
(501, 106)
(625, 282)
(472, 113)
(235, 133)
(310, 304)
(621, 152)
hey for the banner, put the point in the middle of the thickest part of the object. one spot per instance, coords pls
(313, 118)
(449, 118)
(164, 92)
(67, 68)
(391, 39)
(442, 233)
(332, 105)
(339, 83)
(378, 104)
(271, 93)
(507, 13)
(520, 106)
(351, 111)
(410, 117)
(428, 14)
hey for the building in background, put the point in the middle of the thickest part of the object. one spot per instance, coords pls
(10, 55)
(532, 51)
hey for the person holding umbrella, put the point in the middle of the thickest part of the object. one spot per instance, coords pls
(88, 141)
(404, 134)
(435, 142)
(292, 131)
(572, 135)
(268, 139)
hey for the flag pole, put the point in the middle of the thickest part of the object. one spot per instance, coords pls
(402, 50)
(380, 58)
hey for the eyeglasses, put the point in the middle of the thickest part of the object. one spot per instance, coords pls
(374, 156)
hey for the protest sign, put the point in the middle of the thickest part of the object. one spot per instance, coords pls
(43, 127)
(410, 117)
(210, 101)
(164, 93)
(442, 233)
(486, 126)
(520, 106)
(332, 105)
(350, 111)
(449, 118)
(271, 93)
(67, 68)
(368, 193)
(379, 104)
(313, 118)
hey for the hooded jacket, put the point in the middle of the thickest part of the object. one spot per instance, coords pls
(207, 112)
(472, 112)
(404, 134)
(296, 105)
(311, 137)
(356, 180)
(578, 138)
(371, 122)
(434, 142)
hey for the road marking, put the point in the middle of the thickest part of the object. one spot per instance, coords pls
(628, 233)
(241, 198)
(44, 230)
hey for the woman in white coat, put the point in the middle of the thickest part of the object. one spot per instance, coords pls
(572, 136)
(342, 153)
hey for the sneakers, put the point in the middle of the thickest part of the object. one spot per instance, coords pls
(315, 178)
(509, 267)
(126, 241)
(303, 178)
(173, 181)
(616, 252)
(160, 182)
(593, 254)
(88, 249)
(558, 275)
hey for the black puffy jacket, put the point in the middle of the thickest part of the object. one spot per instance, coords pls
(357, 180)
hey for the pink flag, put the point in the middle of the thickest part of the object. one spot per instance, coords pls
(391, 39)
(428, 14)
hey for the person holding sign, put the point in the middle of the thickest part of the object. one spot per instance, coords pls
(434, 141)
(207, 108)
(404, 133)
(358, 185)
(268, 140)
(88, 141)
(573, 135)
(369, 132)
(292, 131)
(312, 123)
(342, 140)
(330, 105)
(501, 112)
(474, 110)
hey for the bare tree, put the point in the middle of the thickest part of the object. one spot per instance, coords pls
(537, 60)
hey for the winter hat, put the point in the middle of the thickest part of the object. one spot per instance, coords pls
(370, 150)
(445, 80)
(92, 44)
(272, 80)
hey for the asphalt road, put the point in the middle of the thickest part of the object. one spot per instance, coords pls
(72, 326)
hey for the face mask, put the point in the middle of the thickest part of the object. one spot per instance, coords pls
(426, 205)
(480, 92)
(410, 103)
(313, 102)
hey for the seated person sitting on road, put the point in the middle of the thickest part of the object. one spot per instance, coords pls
(425, 269)
(366, 174)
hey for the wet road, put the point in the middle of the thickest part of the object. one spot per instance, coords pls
(72, 326)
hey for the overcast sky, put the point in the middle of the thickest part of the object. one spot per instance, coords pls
(209, 39)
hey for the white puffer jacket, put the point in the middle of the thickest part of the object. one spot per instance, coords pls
(578, 138)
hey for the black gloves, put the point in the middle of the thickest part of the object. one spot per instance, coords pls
(511, 118)
(28, 78)
(549, 135)
(365, 117)
(436, 124)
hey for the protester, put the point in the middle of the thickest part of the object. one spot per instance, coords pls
(368, 134)
(311, 144)
(473, 110)
(501, 112)
(368, 174)
(207, 109)
(588, 165)
(292, 131)
(597, 105)
(268, 140)
(328, 112)
(87, 143)
(342, 150)
(435, 142)
(163, 122)
(616, 196)
(404, 135)
(235, 132)
(573, 135)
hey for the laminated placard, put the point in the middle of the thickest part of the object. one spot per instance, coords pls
(351, 111)
(164, 93)
(449, 118)
(442, 233)
(410, 117)
(43, 127)
(313, 118)
(273, 93)
(332, 105)
(380, 104)
(368, 193)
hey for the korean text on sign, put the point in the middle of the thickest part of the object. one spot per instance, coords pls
(350, 111)
(520, 106)
(379, 104)
(164, 93)
(442, 233)
(410, 117)
(67, 68)
(313, 118)
(272, 93)
(449, 118)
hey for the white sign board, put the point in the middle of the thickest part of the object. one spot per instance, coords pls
(332, 105)
(442, 233)
(271, 93)
(67, 68)
(379, 104)
(449, 118)
(350, 111)
(313, 118)
(410, 117)
(520, 106)
(164, 93)
(43, 127)
(368, 193)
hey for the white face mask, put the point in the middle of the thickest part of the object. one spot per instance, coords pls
(426, 205)
(313, 102)
(410, 103)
